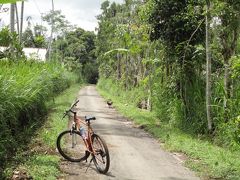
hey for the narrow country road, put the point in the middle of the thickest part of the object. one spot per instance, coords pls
(134, 154)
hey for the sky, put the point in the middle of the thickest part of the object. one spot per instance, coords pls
(79, 12)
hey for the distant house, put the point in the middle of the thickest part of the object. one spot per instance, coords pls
(35, 53)
(32, 53)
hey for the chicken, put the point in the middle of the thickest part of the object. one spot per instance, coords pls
(109, 103)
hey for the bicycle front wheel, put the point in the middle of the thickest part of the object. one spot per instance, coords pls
(71, 146)
(101, 156)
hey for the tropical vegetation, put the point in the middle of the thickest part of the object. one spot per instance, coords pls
(178, 61)
(160, 53)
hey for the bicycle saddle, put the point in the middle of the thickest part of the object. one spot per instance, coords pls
(88, 118)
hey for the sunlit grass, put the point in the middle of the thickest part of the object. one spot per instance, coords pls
(42, 167)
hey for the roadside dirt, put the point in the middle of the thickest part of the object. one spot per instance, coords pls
(134, 154)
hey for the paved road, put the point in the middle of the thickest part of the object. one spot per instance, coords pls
(134, 154)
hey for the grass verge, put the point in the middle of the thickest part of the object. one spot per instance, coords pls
(207, 160)
(41, 160)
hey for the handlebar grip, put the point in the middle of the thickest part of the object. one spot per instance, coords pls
(76, 102)
(70, 110)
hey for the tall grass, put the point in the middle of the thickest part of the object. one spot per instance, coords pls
(37, 161)
(25, 86)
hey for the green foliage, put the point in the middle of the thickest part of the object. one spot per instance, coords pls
(174, 21)
(28, 39)
(34, 40)
(78, 44)
(39, 41)
(133, 97)
(236, 67)
(179, 26)
(91, 73)
(166, 104)
(11, 42)
(57, 21)
(5, 37)
(229, 132)
(164, 58)
(25, 86)
(40, 30)
(43, 167)
(76, 50)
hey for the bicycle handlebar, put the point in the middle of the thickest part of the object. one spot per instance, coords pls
(74, 104)
(70, 110)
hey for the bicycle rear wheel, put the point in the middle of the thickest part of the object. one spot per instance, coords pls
(101, 157)
(71, 146)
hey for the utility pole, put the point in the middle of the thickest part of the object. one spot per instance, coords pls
(21, 23)
(16, 11)
(208, 68)
(12, 17)
(51, 35)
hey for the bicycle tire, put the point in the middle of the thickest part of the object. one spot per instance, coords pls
(101, 159)
(72, 151)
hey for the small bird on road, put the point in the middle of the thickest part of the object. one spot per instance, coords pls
(109, 103)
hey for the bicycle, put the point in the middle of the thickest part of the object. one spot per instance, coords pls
(76, 146)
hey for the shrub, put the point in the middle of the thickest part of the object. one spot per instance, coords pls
(25, 87)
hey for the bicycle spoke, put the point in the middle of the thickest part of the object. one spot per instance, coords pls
(101, 160)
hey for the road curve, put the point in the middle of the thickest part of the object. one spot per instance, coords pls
(134, 154)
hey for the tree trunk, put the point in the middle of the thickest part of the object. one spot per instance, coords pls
(12, 18)
(21, 23)
(126, 74)
(226, 82)
(16, 11)
(208, 70)
(119, 74)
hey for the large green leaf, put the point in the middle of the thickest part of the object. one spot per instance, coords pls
(8, 1)
(118, 49)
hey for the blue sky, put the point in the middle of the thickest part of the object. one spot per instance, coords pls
(80, 12)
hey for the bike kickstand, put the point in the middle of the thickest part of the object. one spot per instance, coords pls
(89, 164)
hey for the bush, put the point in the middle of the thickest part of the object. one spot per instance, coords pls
(25, 87)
